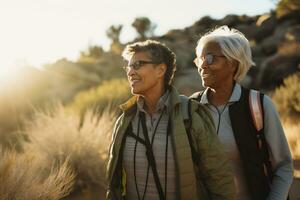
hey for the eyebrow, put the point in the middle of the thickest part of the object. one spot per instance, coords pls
(212, 53)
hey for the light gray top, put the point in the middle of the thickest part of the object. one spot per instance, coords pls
(277, 144)
(159, 148)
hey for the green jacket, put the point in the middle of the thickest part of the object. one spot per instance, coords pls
(211, 179)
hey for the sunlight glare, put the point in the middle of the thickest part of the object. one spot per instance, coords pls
(9, 74)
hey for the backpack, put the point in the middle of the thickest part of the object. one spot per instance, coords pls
(256, 108)
(255, 104)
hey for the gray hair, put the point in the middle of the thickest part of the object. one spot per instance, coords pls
(234, 45)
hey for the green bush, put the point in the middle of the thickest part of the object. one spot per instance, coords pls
(287, 6)
(287, 98)
(109, 94)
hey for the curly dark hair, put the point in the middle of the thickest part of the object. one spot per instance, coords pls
(158, 52)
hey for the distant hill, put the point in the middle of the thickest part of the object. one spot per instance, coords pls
(275, 43)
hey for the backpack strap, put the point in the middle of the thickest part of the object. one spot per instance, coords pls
(255, 105)
(186, 104)
(257, 113)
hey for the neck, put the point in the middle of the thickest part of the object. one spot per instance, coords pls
(151, 99)
(220, 96)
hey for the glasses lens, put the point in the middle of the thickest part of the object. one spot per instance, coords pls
(209, 59)
(137, 65)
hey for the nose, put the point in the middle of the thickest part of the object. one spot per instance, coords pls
(130, 71)
(204, 65)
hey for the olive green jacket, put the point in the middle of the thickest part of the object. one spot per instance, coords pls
(211, 179)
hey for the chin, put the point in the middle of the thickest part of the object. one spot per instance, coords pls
(205, 84)
(135, 91)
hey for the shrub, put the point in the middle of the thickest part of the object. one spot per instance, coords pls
(59, 135)
(108, 94)
(287, 98)
(28, 177)
(293, 137)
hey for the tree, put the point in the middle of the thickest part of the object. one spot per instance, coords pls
(93, 52)
(113, 33)
(144, 27)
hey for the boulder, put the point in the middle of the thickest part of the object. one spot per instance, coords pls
(293, 33)
(188, 81)
(266, 25)
(249, 30)
(275, 68)
(230, 20)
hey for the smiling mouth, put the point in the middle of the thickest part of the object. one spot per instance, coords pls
(134, 81)
(205, 75)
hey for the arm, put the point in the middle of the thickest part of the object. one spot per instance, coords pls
(281, 158)
(214, 165)
(109, 189)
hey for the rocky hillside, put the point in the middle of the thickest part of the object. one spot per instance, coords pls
(275, 43)
(275, 46)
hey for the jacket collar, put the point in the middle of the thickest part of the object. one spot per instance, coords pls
(235, 95)
(131, 103)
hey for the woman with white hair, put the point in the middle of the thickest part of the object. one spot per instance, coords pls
(250, 132)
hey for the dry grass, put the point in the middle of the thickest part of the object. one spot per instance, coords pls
(292, 132)
(60, 135)
(293, 135)
(27, 177)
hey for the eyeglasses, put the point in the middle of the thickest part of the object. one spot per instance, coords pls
(209, 58)
(138, 64)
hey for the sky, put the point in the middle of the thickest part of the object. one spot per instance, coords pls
(37, 32)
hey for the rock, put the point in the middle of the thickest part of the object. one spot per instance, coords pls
(188, 81)
(230, 20)
(293, 34)
(248, 30)
(275, 68)
(292, 15)
(257, 51)
(207, 22)
(289, 48)
(269, 45)
(266, 25)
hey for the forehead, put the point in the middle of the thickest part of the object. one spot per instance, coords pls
(211, 48)
(139, 56)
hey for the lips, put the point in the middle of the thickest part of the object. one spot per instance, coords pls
(205, 75)
(134, 81)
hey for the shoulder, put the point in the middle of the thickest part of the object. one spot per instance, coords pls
(118, 123)
(267, 101)
(201, 117)
(270, 111)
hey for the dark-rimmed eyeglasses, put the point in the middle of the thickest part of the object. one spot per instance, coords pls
(138, 64)
(209, 58)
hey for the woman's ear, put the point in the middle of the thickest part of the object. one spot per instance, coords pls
(162, 68)
(234, 64)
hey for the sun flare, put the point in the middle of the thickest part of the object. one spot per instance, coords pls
(8, 75)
